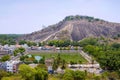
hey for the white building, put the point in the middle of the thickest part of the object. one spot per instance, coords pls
(25, 46)
(11, 66)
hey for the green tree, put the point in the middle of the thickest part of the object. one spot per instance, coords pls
(63, 64)
(79, 75)
(42, 61)
(21, 50)
(116, 46)
(21, 42)
(93, 50)
(42, 66)
(3, 42)
(27, 72)
(5, 58)
(97, 77)
(22, 58)
(74, 75)
(110, 60)
(29, 43)
(68, 75)
(88, 41)
(15, 52)
(113, 76)
(55, 65)
(41, 74)
(40, 44)
(58, 59)
(3, 74)
(5, 78)
(75, 43)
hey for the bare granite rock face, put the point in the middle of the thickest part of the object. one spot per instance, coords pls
(75, 28)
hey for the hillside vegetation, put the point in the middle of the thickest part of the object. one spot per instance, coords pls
(9, 38)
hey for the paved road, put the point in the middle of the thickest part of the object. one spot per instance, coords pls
(15, 58)
(87, 57)
(92, 68)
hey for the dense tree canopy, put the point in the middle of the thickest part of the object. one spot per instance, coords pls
(20, 50)
(36, 73)
(41, 74)
(105, 53)
(62, 43)
(8, 39)
(116, 46)
(74, 75)
(88, 41)
(110, 60)
(21, 42)
(5, 58)
(27, 72)
(3, 74)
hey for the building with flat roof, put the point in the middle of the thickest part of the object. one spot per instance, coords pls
(12, 66)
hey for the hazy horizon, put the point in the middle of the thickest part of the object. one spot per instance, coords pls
(26, 16)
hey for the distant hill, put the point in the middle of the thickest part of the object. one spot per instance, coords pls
(75, 28)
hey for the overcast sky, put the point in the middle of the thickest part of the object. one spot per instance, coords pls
(26, 16)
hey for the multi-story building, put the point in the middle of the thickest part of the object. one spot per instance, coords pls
(12, 66)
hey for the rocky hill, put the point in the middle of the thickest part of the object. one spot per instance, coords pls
(75, 28)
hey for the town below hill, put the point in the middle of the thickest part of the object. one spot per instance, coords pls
(90, 58)
(76, 48)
